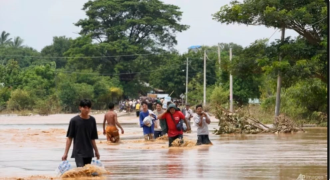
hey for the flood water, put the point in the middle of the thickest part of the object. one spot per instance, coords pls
(262, 156)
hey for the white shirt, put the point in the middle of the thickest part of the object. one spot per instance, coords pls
(157, 124)
(188, 113)
(203, 129)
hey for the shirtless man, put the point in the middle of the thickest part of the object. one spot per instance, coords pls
(111, 131)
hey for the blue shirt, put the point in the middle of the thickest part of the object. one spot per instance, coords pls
(146, 129)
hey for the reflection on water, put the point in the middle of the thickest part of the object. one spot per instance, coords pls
(263, 156)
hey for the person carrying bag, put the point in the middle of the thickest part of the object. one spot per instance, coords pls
(174, 120)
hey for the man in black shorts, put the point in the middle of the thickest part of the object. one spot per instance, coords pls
(82, 129)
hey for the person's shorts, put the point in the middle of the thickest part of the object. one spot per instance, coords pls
(82, 161)
(171, 139)
(158, 134)
(203, 139)
(113, 133)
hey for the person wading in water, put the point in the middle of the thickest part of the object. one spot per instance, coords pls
(148, 131)
(111, 130)
(82, 129)
(202, 121)
(172, 117)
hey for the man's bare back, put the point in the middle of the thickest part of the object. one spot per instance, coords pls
(111, 118)
(111, 131)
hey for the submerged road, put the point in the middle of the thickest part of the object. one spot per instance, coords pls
(262, 156)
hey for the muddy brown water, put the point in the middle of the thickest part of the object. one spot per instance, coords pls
(262, 156)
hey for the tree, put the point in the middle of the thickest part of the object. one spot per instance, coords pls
(127, 27)
(81, 53)
(25, 56)
(147, 22)
(300, 60)
(73, 86)
(38, 80)
(11, 74)
(20, 100)
(195, 93)
(4, 40)
(56, 50)
(302, 100)
(72, 93)
(17, 42)
(307, 18)
(170, 76)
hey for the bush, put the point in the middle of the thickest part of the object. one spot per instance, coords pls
(219, 96)
(71, 94)
(305, 100)
(4, 97)
(43, 107)
(20, 100)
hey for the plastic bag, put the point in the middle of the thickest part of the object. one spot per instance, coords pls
(97, 163)
(184, 126)
(62, 168)
(147, 121)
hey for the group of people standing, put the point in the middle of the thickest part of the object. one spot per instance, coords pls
(127, 105)
(166, 121)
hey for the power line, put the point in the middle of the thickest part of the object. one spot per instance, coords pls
(272, 35)
(90, 57)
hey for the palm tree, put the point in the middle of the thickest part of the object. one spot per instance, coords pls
(4, 38)
(17, 42)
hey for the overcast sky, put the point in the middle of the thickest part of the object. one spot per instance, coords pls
(38, 21)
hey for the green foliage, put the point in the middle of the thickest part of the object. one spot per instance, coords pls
(219, 96)
(17, 42)
(126, 50)
(300, 16)
(21, 100)
(39, 80)
(121, 28)
(147, 22)
(4, 39)
(25, 56)
(71, 94)
(56, 51)
(170, 76)
(43, 107)
(81, 54)
(300, 60)
(10, 74)
(4, 97)
(302, 100)
(247, 76)
(70, 87)
(196, 89)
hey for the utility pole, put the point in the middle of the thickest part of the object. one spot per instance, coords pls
(219, 57)
(204, 99)
(279, 81)
(230, 85)
(187, 82)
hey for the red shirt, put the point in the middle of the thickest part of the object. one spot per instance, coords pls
(172, 131)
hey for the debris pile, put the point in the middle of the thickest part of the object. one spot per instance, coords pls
(86, 171)
(238, 122)
(284, 124)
